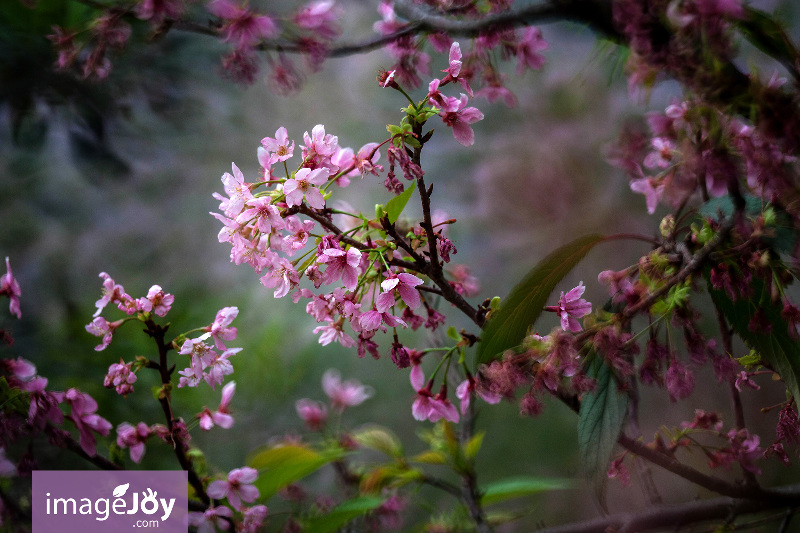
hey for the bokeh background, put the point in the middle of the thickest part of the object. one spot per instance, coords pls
(118, 177)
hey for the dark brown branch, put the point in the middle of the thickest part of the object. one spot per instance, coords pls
(674, 516)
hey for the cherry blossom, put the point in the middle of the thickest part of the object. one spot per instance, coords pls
(206, 521)
(156, 301)
(571, 307)
(238, 192)
(302, 186)
(344, 394)
(456, 115)
(120, 377)
(314, 414)
(237, 488)
(279, 146)
(84, 416)
(404, 285)
(265, 215)
(133, 438)
(100, 327)
(341, 264)
(243, 27)
(221, 417)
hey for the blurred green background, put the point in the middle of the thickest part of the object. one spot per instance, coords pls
(118, 177)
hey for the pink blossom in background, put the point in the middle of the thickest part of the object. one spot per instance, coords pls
(243, 27)
(314, 414)
(9, 286)
(344, 394)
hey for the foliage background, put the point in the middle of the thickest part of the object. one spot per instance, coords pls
(118, 177)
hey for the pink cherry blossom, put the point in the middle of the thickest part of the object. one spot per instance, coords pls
(344, 394)
(44, 404)
(238, 192)
(314, 414)
(282, 276)
(302, 186)
(467, 388)
(221, 417)
(220, 329)
(265, 215)
(319, 17)
(120, 377)
(9, 286)
(156, 11)
(211, 519)
(300, 231)
(388, 23)
(571, 307)
(374, 319)
(454, 70)
(86, 419)
(133, 438)
(156, 301)
(456, 115)
(528, 49)
(279, 147)
(237, 488)
(113, 293)
(333, 333)
(403, 284)
(652, 188)
(341, 264)
(100, 327)
(253, 518)
(244, 27)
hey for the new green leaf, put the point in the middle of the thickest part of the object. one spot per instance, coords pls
(342, 514)
(281, 466)
(395, 206)
(517, 487)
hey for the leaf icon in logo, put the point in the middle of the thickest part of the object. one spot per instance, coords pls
(120, 491)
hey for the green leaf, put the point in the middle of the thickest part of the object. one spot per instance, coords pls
(525, 303)
(282, 466)
(765, 33)
(473, 446)
(342, 514)
(516, 487)
(395, 206)
(379, 439)
(600, 422)
(778, 350)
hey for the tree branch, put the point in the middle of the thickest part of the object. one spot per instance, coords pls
(676, 515)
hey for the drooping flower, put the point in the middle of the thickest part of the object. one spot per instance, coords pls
(651, 188)
(100, 327)
(221, 417)
(454, 69)
(84, 416)
(237, 488)
(528, 49)
(9, 286)
(571, 307)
